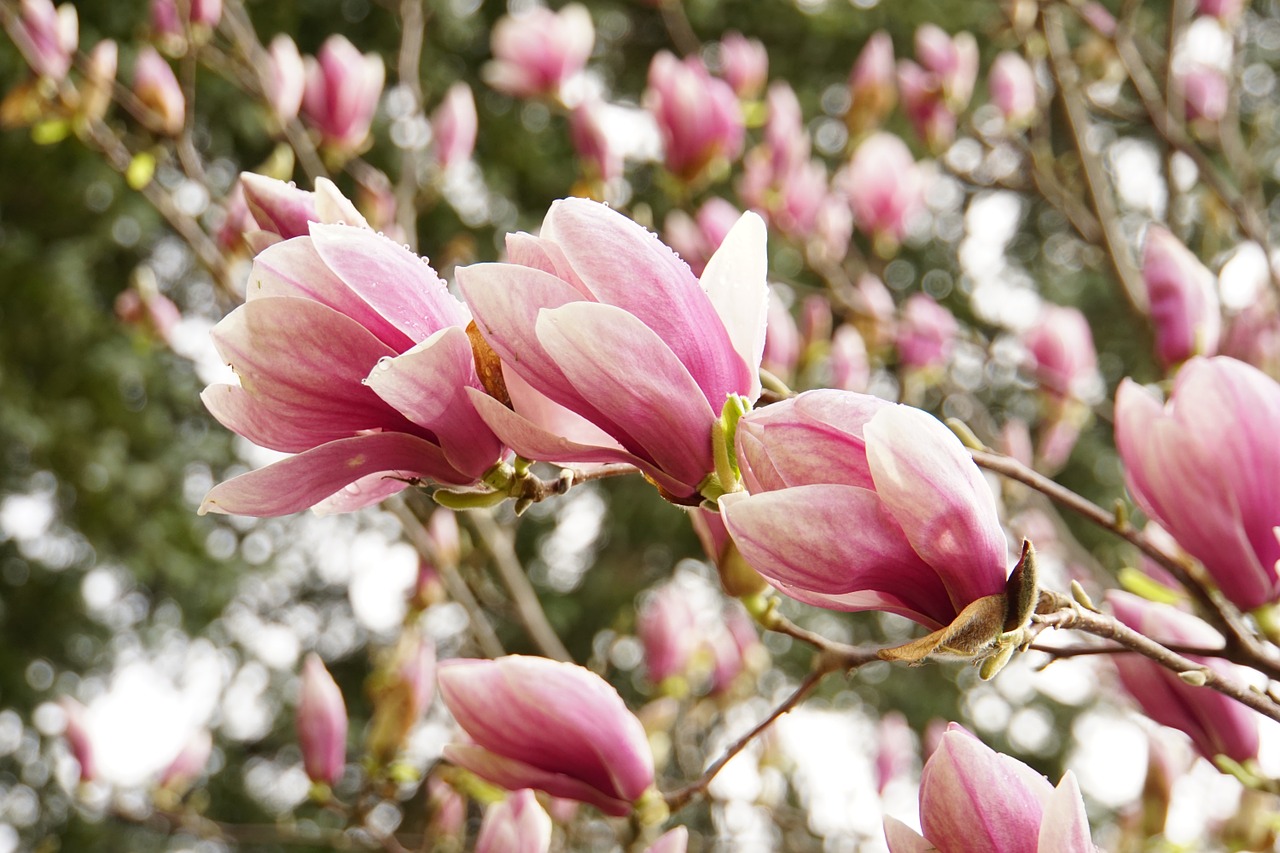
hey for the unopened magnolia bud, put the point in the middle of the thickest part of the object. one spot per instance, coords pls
(322, 723)
(157, 88)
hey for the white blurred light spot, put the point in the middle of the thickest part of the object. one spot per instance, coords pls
(1243, 277)
(1110, 757)
(382, 577)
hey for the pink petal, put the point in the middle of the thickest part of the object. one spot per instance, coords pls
(627, 370)
(1065, 826)
(294, 268)
(369, 490)
(624, 264)
(833, 540)
(428, 385)
(304, 480)
(398, 284)
(903, 839)
(735, 281)
(931, 486)
(512, 774)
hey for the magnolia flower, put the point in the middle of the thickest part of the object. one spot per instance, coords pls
(285, 79)
(926, 106)
(744, 63)
(535, 52)
(926, 332)
(1206, 92)
(352, 354)
(1216, 724)
(672, 841)
(612, 351)
(599, 154)
(697, 114)
(455, 125)
(78, 739)
(1184, 298)
(556, 727)
(873, 91)
(952, 60)
(1061, 348)
(847, 364)
(401, 692)
(1204, 466)
(976, 800)
(696, 238)
(322, 723)
(1013, 89)
(46, 36)
(928, 542)
(782, 339)
(666, 625)
(341, 93)
(884, 186)
(189, 763)
(99, 76)
(515, 825)
(157, 88)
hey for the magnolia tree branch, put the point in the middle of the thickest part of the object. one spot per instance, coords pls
(1195, 674)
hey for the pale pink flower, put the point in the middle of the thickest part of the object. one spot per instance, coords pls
(952, 60)
(1184, 298)
(697, 114)
(322, 723)
(926, 332)
(884, 186)
(1063, 357)
(189, 763)
(455, 125)
(46, 36)
(555, 727)
(1206, 92)
(515, 825)
(156, 86)
(672, 841)
(744, 63)
(591, 141)
(285, 79)
(341, 93)
(1013, 89)
(537, 51)
(926, 106)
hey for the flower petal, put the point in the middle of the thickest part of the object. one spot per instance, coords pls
(903, 839)
(1065, 826)
(512, 774)
(301, 481)
(833, 540)
(735, 280)
(931, 486)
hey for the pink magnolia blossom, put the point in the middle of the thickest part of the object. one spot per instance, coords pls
(1013, 89)
(744, 63)
(455, 125)
(733, 649)
(591, 141)
(824, 463)
(1206, 92)
(1063, 357)
(157, 88)
(873, 89)
(976, 800)
(341, 93)
(884, 186)
(667, 627)
(1204, 466)
(166, 21)
(78, 739)
(672, 841)
(535, 52)
(322, 723)
(1184, 298)
(896, 751)
(696, 239)
(611, 350)
(517, 824)
(1253, 336)
(847, 362)
(285, 79)
(1226, 11)
(46, 36)
(401, 693)
(189, 763)
(556, 727)
(352, 354)
(952, 60)
(697, 114)
(446, 807)
(781, 340)
(926, 106)
(1216, 724)
(926, 332)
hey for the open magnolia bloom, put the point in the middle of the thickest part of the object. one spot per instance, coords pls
(975, 800)
(353, 355)
(854, 503)
(612, 351)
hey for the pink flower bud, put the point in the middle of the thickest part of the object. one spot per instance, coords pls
(1061, 348)
(46, 36)
(1203, 466)
(977, 800)
(696, 240)
(732, 649)
(873, 89)
(926, 106)
(100, 73)
(825, 462)
(1216, 724)
(625, 355)
(157, 88)
(666, 625)
(1227, 11)
(277, 207)
(455, 124)
(897, 749)
(600, 156)
(781, 340)
(1013, 89)
(189, 763)
(672, 841)
(1099, 17)
(1206, 91)
(877, 313)
(953, 61)
(552, 726)
(447, 809)
(849, 367)
(341, 93)
(166, 22)
(149, 310)
(698, 115)
(1254, 337)
(515, 825)
(354, 356)
(537, 51)
(744, 63)
(1184, 298)
(78, 739)
(884, 186)
(286, 78)
(926, 332)
(322, 723)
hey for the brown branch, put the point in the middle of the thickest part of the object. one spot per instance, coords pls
(1101, 625)
(679, 28)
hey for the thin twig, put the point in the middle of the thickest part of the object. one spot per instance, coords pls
(413, 26)
(497, 542)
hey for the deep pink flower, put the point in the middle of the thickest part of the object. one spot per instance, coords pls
(952, 60)
(926, 332)
(926, 106)
(976, 800)
(341, 93)
(556, 727)
(1204, 466)
(1184, 298)
(697, 114)
(822, 465)
(535, 52)
(1061, 348)
(47, 36)
(517, 824)
(612, 351)
(322, 723)
(744, 63)
(1216, 724)
(455, 125)
(884, 186)
(352, 354)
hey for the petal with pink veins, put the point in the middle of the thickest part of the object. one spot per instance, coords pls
(735, 280)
